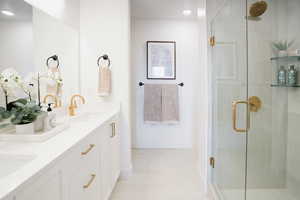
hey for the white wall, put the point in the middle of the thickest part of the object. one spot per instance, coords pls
(65, 10)
(16, 39)
(104, 29)
(186, 35)
(203, 99)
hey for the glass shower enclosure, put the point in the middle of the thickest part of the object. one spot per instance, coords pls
(256, 100)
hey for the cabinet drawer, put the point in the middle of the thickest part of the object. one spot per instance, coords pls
(84, 185)
(85, 153)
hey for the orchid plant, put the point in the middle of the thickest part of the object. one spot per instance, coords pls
(11, 81)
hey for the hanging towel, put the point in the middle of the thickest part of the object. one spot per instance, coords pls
(170, 103)
(104, 85)
(54, 84)
(152, 103)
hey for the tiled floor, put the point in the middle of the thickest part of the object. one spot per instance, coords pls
(259, 194)
(161, 175)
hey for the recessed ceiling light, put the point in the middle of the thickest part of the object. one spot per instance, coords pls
(201, 12)
(187, 12)
(7, 13)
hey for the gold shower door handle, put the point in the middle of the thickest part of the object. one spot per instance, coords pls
(234, 116)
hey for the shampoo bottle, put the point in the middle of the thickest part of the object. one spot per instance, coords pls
(292, 76)
(281, 77)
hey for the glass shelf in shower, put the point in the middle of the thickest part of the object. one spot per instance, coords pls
(286, 58)
(291, 86)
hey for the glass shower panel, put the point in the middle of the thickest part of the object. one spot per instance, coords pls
(229, 76)
(273, 139)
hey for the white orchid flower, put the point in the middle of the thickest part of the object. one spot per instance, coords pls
(10, 80)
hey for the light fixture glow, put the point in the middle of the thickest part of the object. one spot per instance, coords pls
(7, 13)
(201, 12)
(187, 12)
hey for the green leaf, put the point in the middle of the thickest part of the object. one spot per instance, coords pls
(5, 115)
(4, 125)
(22, 101)
(19, 104)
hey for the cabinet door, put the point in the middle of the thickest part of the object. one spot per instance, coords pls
(110, 157)
(115, 144)
(105, 162)
(47, 187)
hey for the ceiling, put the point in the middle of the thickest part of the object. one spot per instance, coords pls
(163, 9)
(21, 9)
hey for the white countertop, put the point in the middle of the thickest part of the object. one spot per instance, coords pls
(49, 151)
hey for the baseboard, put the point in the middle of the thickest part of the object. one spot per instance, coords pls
(212, 193)
(126, 173)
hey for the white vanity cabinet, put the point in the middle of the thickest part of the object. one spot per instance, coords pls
(88, 171)
(48, 186)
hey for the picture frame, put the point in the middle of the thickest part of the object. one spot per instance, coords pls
(161, 60)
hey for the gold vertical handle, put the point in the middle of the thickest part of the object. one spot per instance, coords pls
(113, 129)
(93, 176)
(234, 116)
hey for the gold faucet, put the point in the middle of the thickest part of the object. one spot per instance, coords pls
(57, 102)
(73, 104)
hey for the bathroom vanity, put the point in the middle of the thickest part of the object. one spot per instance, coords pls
(82, 162)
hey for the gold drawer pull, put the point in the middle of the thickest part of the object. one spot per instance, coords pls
(113, 126)
(88, 150)
(93, 176)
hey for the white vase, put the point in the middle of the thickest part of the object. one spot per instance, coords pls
(283, 53)
(39, 122)
(25, 129)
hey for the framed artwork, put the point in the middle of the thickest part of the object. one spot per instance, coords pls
(161, 60)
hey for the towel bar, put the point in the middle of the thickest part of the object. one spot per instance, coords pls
(104, 57)
(55, 58)
(142, 84)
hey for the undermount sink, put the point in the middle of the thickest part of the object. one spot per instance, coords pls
(11, 163)
(83, 117)
(83, 114)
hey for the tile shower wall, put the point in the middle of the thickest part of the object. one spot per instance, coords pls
(267, 141)
(293, 140)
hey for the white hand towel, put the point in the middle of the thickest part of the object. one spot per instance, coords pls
(54, 84)
(104, 87)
